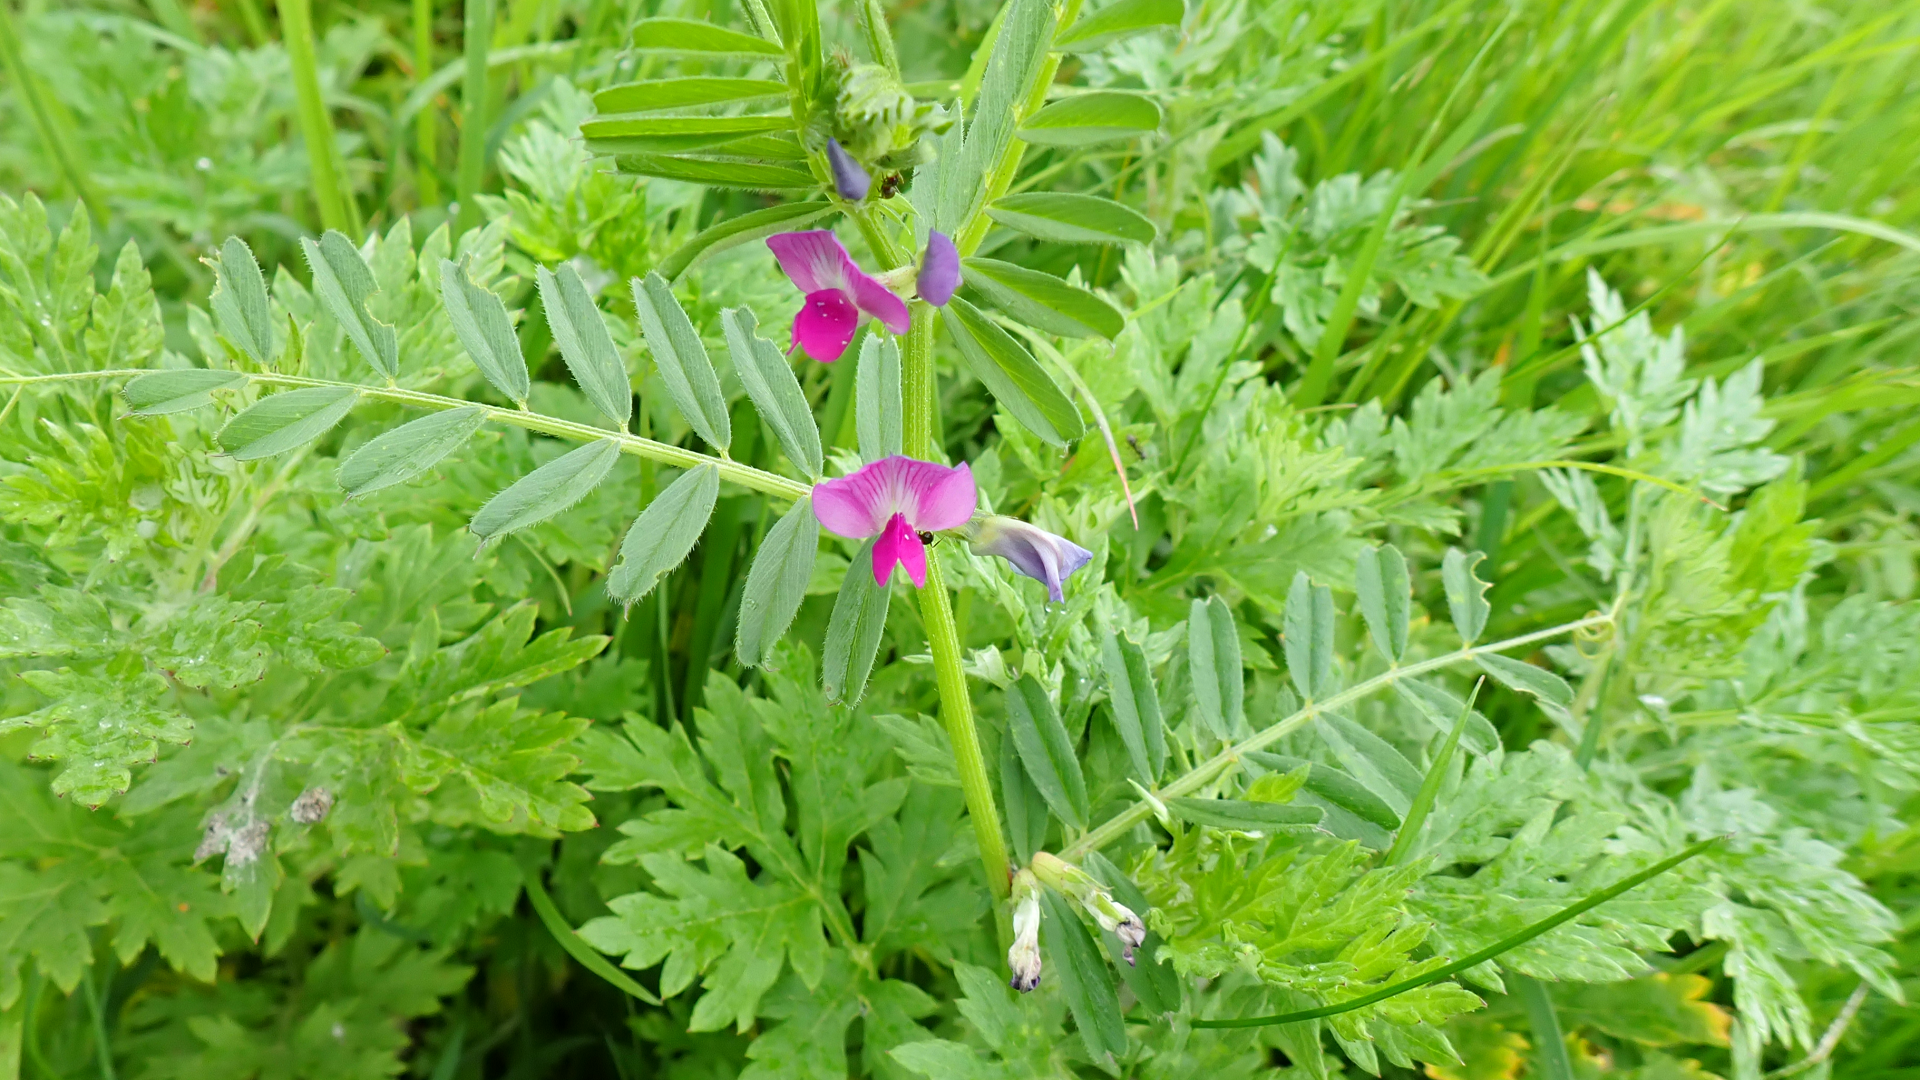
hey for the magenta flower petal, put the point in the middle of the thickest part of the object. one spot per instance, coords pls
(825, 325)
(879, 301)
(813, 260)
(939, 269)
(943, 502)
(899, 544)
(849, 179)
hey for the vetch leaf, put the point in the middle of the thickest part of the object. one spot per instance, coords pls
(343, 282)
(1155, 984)
(1381, 581)
(877, 411)
(1309, 637)
(1525, 677)
(771, 385)
(584, 342)
(690, 36)
(1441, 709)
(656, 94)
(284, 421)
(1117, 21)
(163, 392)
(1466, 593)
(714, 172)
(1372, 760)
(480, 322)
(409, 450)
(1018, 50)
(1071, 219)
(1213, 655)
(1027, 816)
(1011, 374)
(1046, 750)
(1135, 705)
(1334, 786)
(239, 303)
(547, 490)
(1423, 799)
(1043, 301)
(673, 134)
(1074, 959)
(1101, 116)
(776, 584)
(1245, 816)
(732, 231)
(854, 631)
(664, 533)
(682, 359)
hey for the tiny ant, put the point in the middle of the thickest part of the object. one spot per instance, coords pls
(889, 185)
(1134, 442)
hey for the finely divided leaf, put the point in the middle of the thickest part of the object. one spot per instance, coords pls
(1071, 219)
(1309, 637)
(343, 282)
(854, 630)
(1012, 375)
(409, 450)
(1135, 705)
(1043, 301)
(1046, 750)
(664, 533)
(877, 412)
(776, 584)
(163, 392)
(547, 490)
(480, 322)
(1213, 655)
(284, 421)
(1101, 116)
(690, 36)
(1119, 20)
(682, 360)
(585, 344)
(771, 385)
(239, 302)
(1381, 581)
(1075, 960)
(744, 228)
(1466, 593)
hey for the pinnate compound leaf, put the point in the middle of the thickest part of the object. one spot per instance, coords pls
(877, 412)
(651, 95)
(1119, 20)
(480, 321)
(343, 283)
(776, 584)
(1466, 593)
(163, 392)
(1101, 116)
(1309, 637)
(1213, 655)
(239, 302)
(286, 421)
(1380, 580)
(1245, 815)
(664, 533)
(691, 36)
(854, 630)
(409, 450)
(741, 229)
(1072, 219)
(1073, 958)
(547, 490)
(1046, 750)
(770, 384)
(1043, 301)
(581, 334)
(1135, 705)
(682, 360)
(1012, 375)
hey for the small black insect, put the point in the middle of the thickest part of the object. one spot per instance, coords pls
(890, 185)
(1134, 442)
(926, 538)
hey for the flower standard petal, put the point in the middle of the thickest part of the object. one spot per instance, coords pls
(825, 325)
(856, 506)
(813, 260)
(938, 497)
(849, 179)
(939, 269)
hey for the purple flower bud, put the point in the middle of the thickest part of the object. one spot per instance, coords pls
(1033, 551)
(849, 179)
(939, 270)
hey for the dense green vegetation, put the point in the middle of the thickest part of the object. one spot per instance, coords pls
(1493, 427)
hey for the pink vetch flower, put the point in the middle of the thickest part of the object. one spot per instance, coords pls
(897, 499)
(838, 293)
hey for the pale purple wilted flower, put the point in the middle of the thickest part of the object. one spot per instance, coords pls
(849, 179)
(1077, 885)
(1024, 957)
(897, 499)
(838, 293)
(1032, 550)
(939, 269)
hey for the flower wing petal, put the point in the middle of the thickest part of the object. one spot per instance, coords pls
(877, 300)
